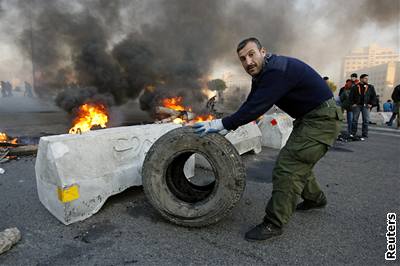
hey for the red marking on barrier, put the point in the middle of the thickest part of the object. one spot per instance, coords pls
(274, 122)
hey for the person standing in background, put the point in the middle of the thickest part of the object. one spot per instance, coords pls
(396, 107)
(362, 97)
(388, 106)
(346, 105)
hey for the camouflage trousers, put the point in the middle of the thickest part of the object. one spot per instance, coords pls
(293, 172)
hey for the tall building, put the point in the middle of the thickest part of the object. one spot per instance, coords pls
(384, 77)
(366, 57)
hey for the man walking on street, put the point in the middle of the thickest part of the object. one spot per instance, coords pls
(362, 97)
(396, 106)
(300, 91)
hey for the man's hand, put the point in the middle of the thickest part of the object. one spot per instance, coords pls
(212, 126)
(369, 105)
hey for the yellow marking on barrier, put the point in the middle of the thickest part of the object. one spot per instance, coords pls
(67, 194)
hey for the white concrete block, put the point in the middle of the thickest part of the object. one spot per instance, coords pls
(375, 118)
(189, 167)
(379, 118)
(75, 174)
(386, 116)
(275, 129)
(246, 138)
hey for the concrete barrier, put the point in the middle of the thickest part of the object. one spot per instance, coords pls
(246, 138)
(75, 174)
(275, 129)
(379, 118)
(386, 116)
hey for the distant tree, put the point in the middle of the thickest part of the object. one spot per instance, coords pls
(217, 85)
(331, 85)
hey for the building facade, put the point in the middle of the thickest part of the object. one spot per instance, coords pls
(362, 58)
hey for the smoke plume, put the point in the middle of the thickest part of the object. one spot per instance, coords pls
(153, 49)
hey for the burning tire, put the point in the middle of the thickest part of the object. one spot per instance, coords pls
(175, 196)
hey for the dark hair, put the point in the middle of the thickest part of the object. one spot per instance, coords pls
(363, 76)
(245, 41)
(348, 80)
(325, 78)
(353, 75)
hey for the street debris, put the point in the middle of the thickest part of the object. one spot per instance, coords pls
(173, 110)
(12, 148)
(8, 238)
(2, 171)
(3, 155)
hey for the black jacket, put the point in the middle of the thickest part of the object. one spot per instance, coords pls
(362, 94)
(396, 94)
(344, 98)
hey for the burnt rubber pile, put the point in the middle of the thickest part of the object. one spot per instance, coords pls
(186, 200)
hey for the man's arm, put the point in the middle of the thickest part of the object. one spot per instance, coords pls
(342, 95)
(396, 94)
(341, 91)
(351, 94)
(273, 86)
(373, 100)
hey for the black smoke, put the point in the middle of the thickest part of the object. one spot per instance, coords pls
(154, 49)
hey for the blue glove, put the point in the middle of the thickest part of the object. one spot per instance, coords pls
(212, 126)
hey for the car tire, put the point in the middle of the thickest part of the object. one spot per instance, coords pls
(172, 194)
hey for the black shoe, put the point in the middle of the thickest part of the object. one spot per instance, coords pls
(364, 136)
(358, 138)
(341, 138)
(308, 204)
(263, 231)
(355, 138)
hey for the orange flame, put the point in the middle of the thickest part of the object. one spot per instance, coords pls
(178, 121)
(202, 118)
(174, 103)
(5, 138)
(88, 116)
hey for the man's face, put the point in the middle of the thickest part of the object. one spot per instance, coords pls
(252, 58)
(353, 78)
(364, 80)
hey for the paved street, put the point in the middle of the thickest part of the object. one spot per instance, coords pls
(361, 180)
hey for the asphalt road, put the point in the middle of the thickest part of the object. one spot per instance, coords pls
(361, 180)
